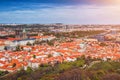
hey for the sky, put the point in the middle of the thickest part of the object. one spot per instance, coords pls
(60, 11)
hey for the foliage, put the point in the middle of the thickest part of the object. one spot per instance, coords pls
(102, 44)
(71, 71)
(18, 48)
(106, 66)
(74, 34)
(34, 56)
(49, 55)
(3, 73)
(28, 44)
(5, 48)
(50, 43)
(14, 64)
(29, 70)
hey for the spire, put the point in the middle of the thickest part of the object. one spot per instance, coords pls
(24, 30)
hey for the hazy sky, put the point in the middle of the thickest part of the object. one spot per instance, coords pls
(60, 11)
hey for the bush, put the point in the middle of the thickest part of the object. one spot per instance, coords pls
(29, 70)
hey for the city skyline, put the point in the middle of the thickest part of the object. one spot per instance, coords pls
(60, 11)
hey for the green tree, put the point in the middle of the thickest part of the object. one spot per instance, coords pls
(102, 44)
(49, 55)
(50, 43)
(5, 48)
(28, 44)
(18, 48)
(1, 73)
(34, 56)
(14, 64)
(29, 70)
(63, 67)
(19, 78)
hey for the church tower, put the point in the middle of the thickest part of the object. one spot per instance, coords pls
(24, 34)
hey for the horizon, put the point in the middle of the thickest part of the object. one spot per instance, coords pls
(52, 23)
(59, 11)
